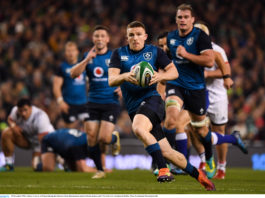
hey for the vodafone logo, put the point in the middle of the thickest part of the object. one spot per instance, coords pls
(98, 72)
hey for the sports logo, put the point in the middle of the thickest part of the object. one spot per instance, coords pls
(172, 41)
(124, 58)
(79, 79)
(201, 111)
(107, 61)
(147, 56)
(98, 72)
(190, 41)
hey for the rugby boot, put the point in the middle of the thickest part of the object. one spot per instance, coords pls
(7, 168)
(165, 175)
(99, 175)
(210, 168)
(205, 182)
(220, 174)
(240, 143)
(202, 166)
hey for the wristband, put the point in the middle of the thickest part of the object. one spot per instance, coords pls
(59, 100)
(226, 76)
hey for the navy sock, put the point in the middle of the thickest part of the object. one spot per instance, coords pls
(225, 138)
(155, 151)
(182, 143)
(207, 143)
(113, 139)
(191, 170)
(95, 154)
(170, 135)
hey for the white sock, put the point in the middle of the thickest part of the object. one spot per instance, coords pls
(202, 156)
(9, 160)
(221, 166)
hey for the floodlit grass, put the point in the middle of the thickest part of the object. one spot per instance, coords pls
(25, 181)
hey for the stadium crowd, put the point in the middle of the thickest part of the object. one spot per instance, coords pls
(33, 35)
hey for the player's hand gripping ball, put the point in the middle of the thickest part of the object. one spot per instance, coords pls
(143, 73)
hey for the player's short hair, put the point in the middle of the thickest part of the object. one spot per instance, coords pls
(203, 26)
(101, 27)
(23, 101)
(186, 6)
(135, 24)
(71, 43)
(162, 35)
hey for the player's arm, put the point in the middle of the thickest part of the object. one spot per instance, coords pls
(115, 77)
(80, 67)
(204, 46)
(81, 166)
(11, 121)
(57, 91)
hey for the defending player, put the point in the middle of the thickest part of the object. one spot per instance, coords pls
(144, 105)
(103, 103)
(27, 126)
(71, 94)
(191, 51)
(71, 145)
(217, 81)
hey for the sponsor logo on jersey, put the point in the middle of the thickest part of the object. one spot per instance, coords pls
(172, 41)
(171, 91)
(190, 41)
(98, 72)
(68, 70)
(107, 61)
(201, 111)
(147, 56)
(124, 58)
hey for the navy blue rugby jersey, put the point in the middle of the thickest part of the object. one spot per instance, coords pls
(124, 59)
(73, 90)
(99, 89)
(191, 75)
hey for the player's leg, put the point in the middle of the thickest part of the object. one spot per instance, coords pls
(10, 138)
(48, 160)
(70, 118)
(81, 166)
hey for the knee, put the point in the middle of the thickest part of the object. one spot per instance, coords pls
(137, 130)
(7, 134)
(103, 139)
(170, 122)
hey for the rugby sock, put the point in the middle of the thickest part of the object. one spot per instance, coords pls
(113, 139)
(220, 138)
(9, 160)
(95, 154)
(202, 156)
(155, 151)
(191, 170)
(170, 135)
(207, 143)
(221, 166)
(182, 143)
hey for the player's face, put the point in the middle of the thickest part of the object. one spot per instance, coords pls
(25, 111)
(162, 43)
(100, 39)
(184, 21)
(71, 53)
(136, 38)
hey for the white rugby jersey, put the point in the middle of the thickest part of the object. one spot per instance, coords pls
(37, 123)
(215, 86)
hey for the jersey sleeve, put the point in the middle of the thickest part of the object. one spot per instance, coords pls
(115, 61)
(58, 71)
(13, 114)
(162, 59)
(43, 123)
(204, 42)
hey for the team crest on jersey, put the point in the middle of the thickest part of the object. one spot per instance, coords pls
(124, 58)
(98, 72)
(107, 61)
(172, 41)
(190, 41)
(147, 56)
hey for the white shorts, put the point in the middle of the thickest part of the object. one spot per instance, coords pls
(218, 112)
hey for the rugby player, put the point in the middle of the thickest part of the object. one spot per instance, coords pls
(103, 104)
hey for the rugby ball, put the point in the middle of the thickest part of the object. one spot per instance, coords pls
(143, 73)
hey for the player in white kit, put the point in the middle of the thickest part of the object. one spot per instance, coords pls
(27, 126)
(218, 80)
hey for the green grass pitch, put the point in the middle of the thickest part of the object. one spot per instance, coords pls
(25, 181)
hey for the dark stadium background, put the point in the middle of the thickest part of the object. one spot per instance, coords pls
(33, 34)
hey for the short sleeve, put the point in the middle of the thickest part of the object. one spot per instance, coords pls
(162, 59)
(58, 71)
(204, 42)
(43, 123)
(115, 61)
(13, 114)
